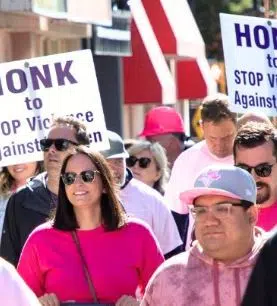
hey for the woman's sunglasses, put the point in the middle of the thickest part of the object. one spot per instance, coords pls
(262, 170)
(60, 144)
(87, 176)
(143, 162)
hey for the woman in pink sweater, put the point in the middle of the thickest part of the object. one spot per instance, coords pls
(120, 254)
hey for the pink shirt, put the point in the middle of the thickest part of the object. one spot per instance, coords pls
(267, 218)
(193, 278)
(185, 170)
(118, 261)
(183, 175)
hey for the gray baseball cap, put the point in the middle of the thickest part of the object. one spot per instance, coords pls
(224, 180)
(117, 149)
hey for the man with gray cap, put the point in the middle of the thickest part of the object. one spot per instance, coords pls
(216, 269)
(140, 200)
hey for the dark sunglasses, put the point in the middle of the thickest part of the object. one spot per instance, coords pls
(143, 162)
(59, 143)
(87, 176)
(262, 170)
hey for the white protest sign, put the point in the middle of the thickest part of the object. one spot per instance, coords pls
(34, 91)
(250, 45)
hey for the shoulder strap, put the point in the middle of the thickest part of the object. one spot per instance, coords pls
(85, 267)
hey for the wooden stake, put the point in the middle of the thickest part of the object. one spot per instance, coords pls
(266, 7)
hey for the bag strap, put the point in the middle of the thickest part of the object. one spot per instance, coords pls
(85, 267)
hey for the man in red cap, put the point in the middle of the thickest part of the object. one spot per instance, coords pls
(165, 125)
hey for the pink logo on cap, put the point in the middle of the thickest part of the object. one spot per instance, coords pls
(209, 177)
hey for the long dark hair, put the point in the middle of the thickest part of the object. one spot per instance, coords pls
(113, 215)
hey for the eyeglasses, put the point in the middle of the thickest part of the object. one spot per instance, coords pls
(262, 170)
(220, 211)
(59, 143)
(87, 176)
(143, 162)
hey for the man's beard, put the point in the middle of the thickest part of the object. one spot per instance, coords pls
(265, 193)
(120, 180)
(120, 177)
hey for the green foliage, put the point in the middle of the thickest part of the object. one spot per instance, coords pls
(239, 7)
(206, 13)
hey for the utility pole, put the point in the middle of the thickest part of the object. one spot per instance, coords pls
(255, 6)
(266, 8)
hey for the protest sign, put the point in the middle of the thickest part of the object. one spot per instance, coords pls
(250, 45)
(34, 91)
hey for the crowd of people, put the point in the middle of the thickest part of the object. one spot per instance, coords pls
(157, 220)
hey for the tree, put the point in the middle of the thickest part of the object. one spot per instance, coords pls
(207, 17)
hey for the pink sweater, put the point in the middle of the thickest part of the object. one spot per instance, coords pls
(267, 218)
(118, 261)
(194, 279)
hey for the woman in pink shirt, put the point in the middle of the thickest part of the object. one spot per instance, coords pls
(120, 254)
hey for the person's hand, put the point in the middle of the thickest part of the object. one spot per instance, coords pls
(127, 300)
(49, 300)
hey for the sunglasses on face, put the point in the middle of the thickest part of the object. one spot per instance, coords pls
(87, 176)
(59, 143)
(262, 170)
(143, 162)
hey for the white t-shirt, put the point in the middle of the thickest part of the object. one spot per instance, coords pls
(145, 203)
(13, 290)
(184, 172)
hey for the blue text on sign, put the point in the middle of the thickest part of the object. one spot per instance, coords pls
(40, 77)
(261, 36)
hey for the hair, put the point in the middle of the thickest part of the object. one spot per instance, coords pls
(113, 215)
(246, 204)
(128, 143)
(254, 134)
(160, 160)
(80, 128)
(182, 137)
(252, 116)
(7, 181)
(215, 108)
